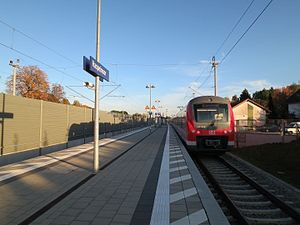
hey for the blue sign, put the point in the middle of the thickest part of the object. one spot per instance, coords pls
(95, 68)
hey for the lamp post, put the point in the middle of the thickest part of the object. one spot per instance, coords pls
(14, 67)
(157, 102)
(150, 86)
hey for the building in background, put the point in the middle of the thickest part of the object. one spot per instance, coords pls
(294, 104)
(249, 113)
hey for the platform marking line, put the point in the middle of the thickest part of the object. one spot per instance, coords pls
(176, 156)
(175, 152)
(181, 178)
(58, 156)
(183, 194)
(161, 207)
(178, 168)
(176, 161)
(195, 218)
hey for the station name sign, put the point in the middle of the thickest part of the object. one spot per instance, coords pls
(93, 67)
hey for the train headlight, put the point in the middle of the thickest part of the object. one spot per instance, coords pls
(225, 131)
(193, 131)
(198, 132)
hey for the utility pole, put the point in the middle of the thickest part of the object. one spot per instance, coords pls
(14, 68)
(215, 66)
(97, 91)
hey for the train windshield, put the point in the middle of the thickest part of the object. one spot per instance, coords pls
(211, 113)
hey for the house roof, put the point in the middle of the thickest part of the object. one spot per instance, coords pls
(254, 103)
(294, 98)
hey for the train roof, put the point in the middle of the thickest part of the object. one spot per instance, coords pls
(208, 99)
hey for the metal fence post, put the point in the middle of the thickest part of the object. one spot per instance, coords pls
(84, 125)
(67, 125)
(41, 128)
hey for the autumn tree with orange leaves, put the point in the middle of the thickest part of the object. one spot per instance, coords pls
(32, 82)
(57, 94)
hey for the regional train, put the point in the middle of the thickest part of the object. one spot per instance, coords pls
(207, 125)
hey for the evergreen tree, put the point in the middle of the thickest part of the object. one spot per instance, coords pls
(262, 95)
(244, 95)
(273, 114)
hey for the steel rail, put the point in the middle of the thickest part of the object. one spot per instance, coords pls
(275, 200)
(231, 206)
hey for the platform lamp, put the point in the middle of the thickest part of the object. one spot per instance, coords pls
(14, 66)
(157, 102)
(150, 86)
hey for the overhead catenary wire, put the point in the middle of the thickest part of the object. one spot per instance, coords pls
(80, 94)
(38, 42)
(246, 31)
(234, 27)
(156, 65)
(110, 92)
(223, 43)
(40, 61)
(236, 24)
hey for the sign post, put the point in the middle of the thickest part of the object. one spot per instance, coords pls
(97, 70)
(94, 67)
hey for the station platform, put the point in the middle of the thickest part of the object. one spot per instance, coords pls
(145, 177)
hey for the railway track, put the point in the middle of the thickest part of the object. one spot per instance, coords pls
(247, 201)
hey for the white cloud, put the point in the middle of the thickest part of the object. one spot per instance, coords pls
(196, 70)
(235, 88)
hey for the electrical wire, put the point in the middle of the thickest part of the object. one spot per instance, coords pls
(155, 65)
(38, 42)
(206, 79)
(236, 24)
(110, 92)
(80, 94)
(39, 61)
(234, 27)
(246, 31)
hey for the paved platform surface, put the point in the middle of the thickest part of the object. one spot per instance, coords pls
(152, 182)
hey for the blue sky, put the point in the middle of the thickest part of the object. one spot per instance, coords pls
(162, 42)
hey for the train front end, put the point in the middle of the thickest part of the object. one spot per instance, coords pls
(210, 124)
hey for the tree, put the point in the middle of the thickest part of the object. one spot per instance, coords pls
(262, 95)
(65, 101)
(244, 95)
(58, 92)
(294, 87)
(76, 103)
(31, 82)
(279, 99)
(273, 114)
(234, 100)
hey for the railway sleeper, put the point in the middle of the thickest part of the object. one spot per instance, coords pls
(274, 214)
(231, 182)
(254, 204)
(257, 197)
(236, 187)
(242, 192)
(270, 221)
(221, 171)
(227, 178)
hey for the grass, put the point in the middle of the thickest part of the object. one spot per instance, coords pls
(281, 160)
